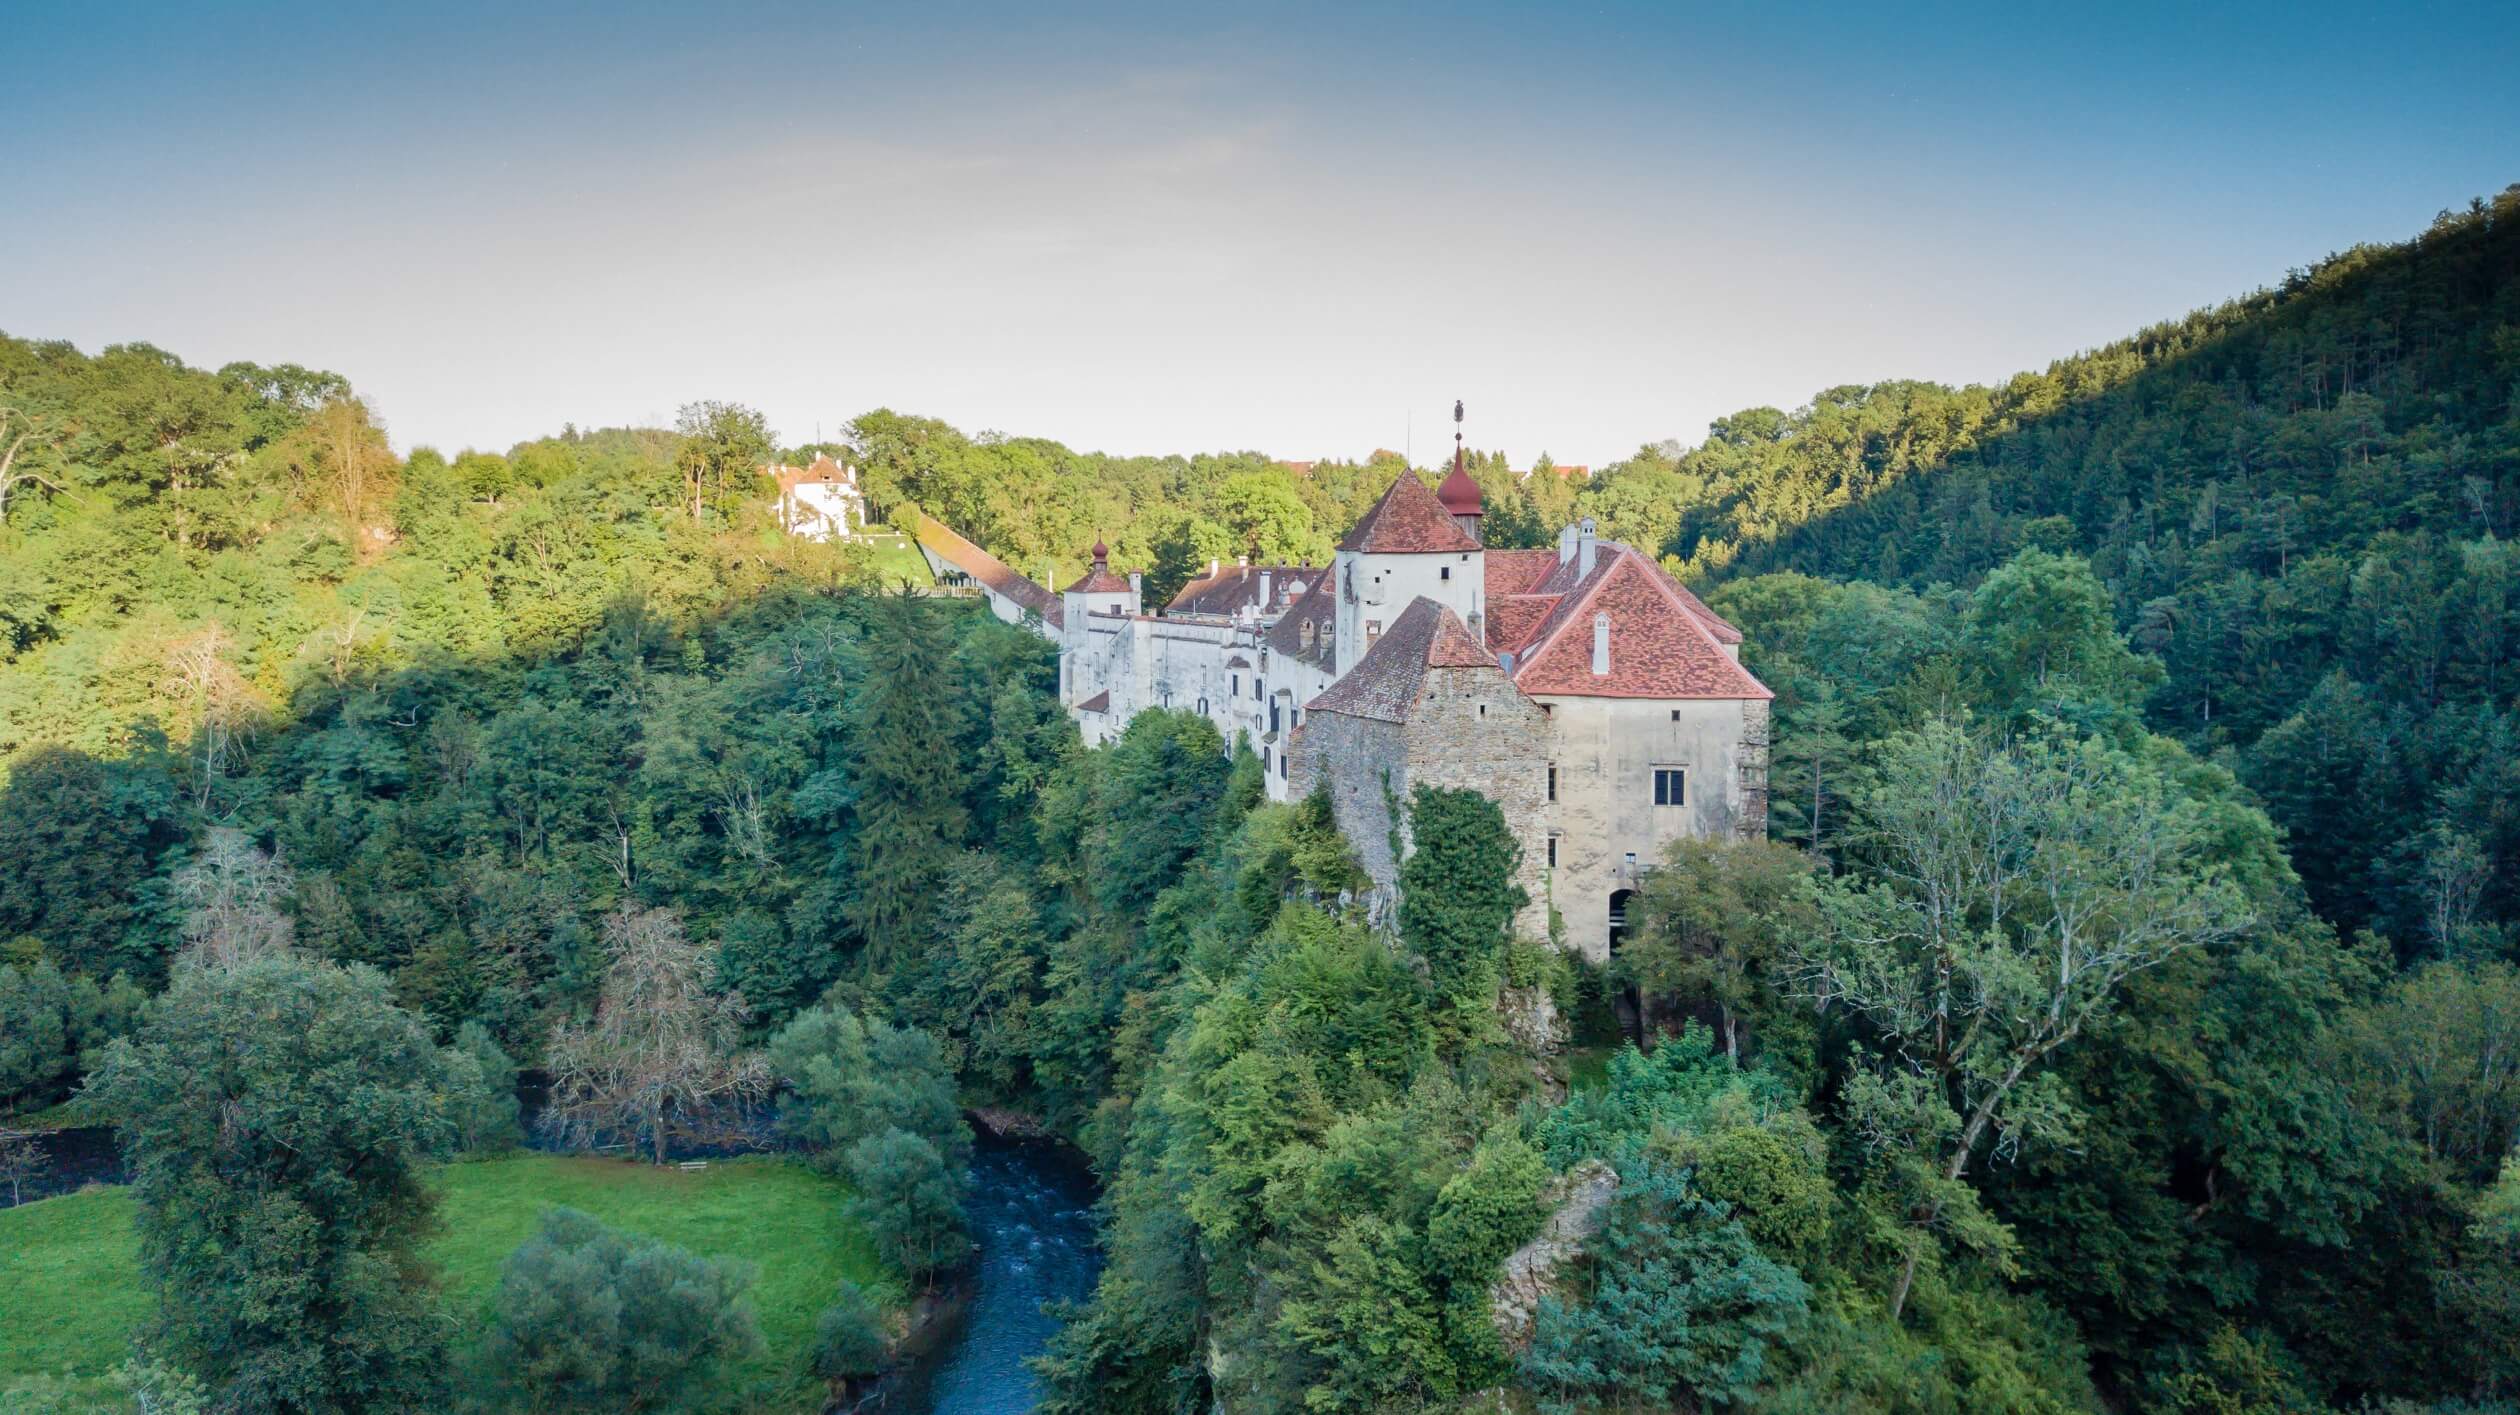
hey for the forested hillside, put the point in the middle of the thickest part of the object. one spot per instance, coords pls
(2301, 503)
(2121, 1016)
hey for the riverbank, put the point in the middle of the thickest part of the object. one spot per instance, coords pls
(1031, 1215)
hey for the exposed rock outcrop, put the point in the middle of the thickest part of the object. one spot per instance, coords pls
(1530, 1016)
(1583, 1197)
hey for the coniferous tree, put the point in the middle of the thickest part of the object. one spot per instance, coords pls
(907, 779)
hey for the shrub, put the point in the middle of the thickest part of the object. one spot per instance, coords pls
(852, 1339)
(586, 1318)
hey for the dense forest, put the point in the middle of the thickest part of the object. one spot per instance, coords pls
(2124, 1012)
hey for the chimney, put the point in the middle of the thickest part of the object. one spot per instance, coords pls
(1601, 640)
(1213, 567)
(1242, 562)
(1136, 578)
(1566, 544)
(1267, 586)
(1584, 547)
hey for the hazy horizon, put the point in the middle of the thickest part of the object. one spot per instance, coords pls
(1299, 233)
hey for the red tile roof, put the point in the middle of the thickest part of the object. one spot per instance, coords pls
(1099, 702)
(1715, 623)
(1512, 619)
(1099, 580)
(988, 570)
(1384, 683)
(1234, 588)
(1517, 571)
(1459, 494)
(1408, 520)
(1659, 646)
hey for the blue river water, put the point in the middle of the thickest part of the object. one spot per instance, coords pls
(1032, 1214)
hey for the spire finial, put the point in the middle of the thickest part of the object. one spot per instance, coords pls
(1457, 434)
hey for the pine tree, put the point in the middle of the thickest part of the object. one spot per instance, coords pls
(909, 780)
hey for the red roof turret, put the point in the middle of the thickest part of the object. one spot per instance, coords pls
(1460, 494)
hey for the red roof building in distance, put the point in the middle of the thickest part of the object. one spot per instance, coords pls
(1602, 705)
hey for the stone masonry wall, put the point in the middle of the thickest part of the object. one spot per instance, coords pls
(1356, 758)
(1476, 730)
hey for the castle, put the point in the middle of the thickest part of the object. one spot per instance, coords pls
(1585, 690)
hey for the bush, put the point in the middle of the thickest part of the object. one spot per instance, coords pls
(910, 1200)
(586, 1318)
(852, 1338)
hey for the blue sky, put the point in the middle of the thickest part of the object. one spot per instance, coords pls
(1302, 229)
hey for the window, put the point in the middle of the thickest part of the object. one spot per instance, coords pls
(1675, 714)
(1670, 786)
(1281, 766)
(1553, 840)
(1238, 683)
(1553, 781)
(1259, 689)
(1373, 631)
(1443, 572)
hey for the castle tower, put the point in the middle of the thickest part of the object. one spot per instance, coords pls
(1459, 493)
(1408, 546)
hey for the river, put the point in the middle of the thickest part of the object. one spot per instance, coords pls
(1031, 1213)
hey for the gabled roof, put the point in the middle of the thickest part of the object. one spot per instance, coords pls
(1099, 702)
(1099, 580)
(941, 541)
(1286, 636)
(1715, 623)
(1234, 588)
(1408, 520)
(1659, 646)
(1384, 683)
(1517, 571)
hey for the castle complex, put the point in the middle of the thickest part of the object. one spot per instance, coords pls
(1586, 691)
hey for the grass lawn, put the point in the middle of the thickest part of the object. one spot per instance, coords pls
(894, 556)
(69, 1266)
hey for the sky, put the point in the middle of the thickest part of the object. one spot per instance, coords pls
(1302, 230)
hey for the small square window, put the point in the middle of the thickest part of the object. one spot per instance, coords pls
(1443, 572)
(1670, 786)
(1675, 714)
